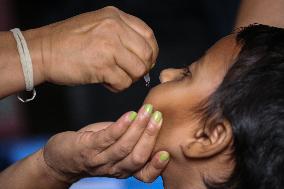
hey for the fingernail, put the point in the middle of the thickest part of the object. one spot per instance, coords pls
(157, 116)
(148, 108)
(152, 66)
(132, 115)
(164, 156)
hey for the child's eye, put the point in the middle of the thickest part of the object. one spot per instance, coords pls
(186, 72)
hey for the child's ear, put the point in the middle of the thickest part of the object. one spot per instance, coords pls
(207, 143)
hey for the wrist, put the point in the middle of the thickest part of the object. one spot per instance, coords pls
(49, 172)
(34, 39)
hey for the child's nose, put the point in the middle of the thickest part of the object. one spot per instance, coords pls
(170, 75)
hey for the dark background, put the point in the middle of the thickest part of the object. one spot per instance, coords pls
(184, 30)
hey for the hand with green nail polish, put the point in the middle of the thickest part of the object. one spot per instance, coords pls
(115, 149)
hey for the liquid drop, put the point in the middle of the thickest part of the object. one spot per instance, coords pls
(147, 80)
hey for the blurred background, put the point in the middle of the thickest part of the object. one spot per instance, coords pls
(184, 30)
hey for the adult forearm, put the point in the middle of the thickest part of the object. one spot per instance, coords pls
(261, 11)
(31, 173)
(11, 73)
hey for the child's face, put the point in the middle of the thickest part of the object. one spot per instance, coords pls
(177, 95)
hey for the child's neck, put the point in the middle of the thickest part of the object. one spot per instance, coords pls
(192, 174)
(182, 177)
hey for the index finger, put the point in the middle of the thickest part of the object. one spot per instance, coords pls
(123, 147)
(144, 30)
(103, 138)
(95, 127)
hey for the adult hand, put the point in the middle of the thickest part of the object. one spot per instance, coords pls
(118, 149)
(105, 46)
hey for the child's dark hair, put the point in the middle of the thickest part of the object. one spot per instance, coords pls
(251, 98)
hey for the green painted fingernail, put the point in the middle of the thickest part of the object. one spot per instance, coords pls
(164, 156)
(148, 108)
(132, 115)
(157, 116)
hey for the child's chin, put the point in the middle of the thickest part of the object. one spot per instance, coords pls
(153, 96)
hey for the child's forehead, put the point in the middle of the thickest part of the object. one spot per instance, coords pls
(227, 48)
(225, 51)
(215, 63)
